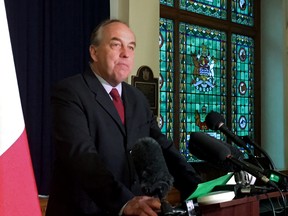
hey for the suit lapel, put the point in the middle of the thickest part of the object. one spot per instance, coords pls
(128, 106)
(102, 97)
(129, 113)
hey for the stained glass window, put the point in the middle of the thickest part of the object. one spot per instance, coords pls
(167, 2)
(202, 78)
(242, 12)
(242, 85)
(166, 44)
(213, 8)
(208, 66)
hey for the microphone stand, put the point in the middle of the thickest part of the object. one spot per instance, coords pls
(282, 181)
(261, 150)
(166, 208)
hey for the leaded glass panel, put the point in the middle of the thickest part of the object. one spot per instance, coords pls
(166, 43)
(202, 78)
(243, 85)
(242, 12)
(213, 8)
(167, 2)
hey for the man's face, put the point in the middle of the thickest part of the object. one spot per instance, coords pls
(114, 57)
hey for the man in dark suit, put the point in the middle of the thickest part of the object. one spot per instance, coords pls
(94, 173)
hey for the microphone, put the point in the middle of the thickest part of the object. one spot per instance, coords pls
(215, 121)
(155, 179)
(206, 153)
(217, 151)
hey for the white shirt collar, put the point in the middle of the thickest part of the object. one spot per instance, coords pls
(108, 87)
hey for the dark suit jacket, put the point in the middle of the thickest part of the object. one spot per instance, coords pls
(94, 173)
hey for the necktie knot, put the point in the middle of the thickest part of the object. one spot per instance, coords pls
(115, 94)
(118, 103)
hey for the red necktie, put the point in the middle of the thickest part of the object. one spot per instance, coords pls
(118, 103)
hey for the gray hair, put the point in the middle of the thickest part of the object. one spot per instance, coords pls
(96, 35)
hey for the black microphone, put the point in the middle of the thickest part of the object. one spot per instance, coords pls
(215, 121)
(202, 152)
(213, 148)
(150, 165)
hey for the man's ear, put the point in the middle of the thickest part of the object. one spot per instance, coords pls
(93, 52)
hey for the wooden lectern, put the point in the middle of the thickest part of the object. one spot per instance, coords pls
(248, 206)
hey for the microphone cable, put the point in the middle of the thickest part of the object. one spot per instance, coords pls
(282, 204)
(261, 150)
(272, 207)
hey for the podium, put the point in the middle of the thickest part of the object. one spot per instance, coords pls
(248, 206)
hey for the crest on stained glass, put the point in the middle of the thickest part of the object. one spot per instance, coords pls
(204, 70)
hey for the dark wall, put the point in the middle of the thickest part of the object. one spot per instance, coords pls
(49, 41)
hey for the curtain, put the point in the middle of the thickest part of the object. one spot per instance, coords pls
(50, 41)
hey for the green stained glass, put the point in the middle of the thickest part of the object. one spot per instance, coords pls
(242, 12)
(166, 45)
(202, 83)
(243, 83)
(167, 2)
(213, 8)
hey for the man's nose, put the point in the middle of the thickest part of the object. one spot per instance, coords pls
(125, 52)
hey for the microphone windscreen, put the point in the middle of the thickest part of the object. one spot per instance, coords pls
(213, 120)
(151, 167)
(207, 148)
(214, 151)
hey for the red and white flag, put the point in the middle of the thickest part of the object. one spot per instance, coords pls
(18, 192)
